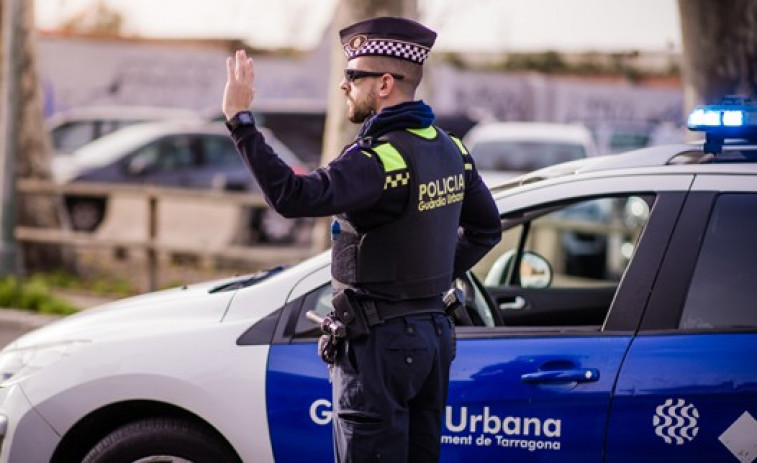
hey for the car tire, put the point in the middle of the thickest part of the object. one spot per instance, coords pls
(161, 440)
(85, 213)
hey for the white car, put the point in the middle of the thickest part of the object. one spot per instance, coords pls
(653, 361)
(503, 150)
(195, 154)
(75, 127)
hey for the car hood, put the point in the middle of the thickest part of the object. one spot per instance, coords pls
(173, 309)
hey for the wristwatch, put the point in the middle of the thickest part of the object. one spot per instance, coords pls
(239, 119)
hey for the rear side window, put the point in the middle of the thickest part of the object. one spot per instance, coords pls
(73, 135)
(220, 151)
(723, 291)
(524, 156)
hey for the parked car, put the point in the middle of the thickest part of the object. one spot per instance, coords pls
(503, 150)
(655, 364)
(182, 154)
(613, 136)
(75, 127)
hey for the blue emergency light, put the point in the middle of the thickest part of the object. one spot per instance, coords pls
(734, 117)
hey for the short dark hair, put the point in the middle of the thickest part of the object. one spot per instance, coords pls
(412, 72)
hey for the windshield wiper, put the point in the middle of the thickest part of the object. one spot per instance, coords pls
(248, 280)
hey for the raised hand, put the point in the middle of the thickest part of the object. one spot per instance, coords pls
(239, 91)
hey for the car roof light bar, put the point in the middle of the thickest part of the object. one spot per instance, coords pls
(733, 117)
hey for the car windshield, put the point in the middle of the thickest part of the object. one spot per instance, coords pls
(524, 156)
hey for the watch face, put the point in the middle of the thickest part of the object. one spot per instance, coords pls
(245, 118)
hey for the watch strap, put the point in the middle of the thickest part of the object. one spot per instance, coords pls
(240, 119)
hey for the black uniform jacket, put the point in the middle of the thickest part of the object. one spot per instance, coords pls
(353, 185)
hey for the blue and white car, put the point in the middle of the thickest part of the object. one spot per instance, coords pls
(653, 358)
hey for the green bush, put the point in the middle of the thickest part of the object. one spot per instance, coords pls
(99, 286)
(33, 295)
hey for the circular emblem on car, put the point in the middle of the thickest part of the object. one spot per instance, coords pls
(357, 42)
(676, 421)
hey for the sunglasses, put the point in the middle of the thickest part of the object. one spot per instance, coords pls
(351, 75)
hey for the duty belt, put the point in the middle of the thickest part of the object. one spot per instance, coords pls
(378, 311)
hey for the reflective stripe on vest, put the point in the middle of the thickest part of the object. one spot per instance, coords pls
(395, 166)
(459, 145)
(390, 157)
(464, 150)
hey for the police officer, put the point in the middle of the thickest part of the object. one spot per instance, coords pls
(412, 214)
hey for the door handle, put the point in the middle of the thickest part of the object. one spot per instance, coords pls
(518, 304)
(580, 375)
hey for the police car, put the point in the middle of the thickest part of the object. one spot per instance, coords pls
(650, 357)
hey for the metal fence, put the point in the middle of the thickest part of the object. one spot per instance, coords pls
(206, 224)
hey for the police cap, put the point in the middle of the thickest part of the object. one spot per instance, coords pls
(386, 36)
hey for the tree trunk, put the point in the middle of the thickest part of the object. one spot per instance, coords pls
(339, 131)
(29, 143)
(719, 49)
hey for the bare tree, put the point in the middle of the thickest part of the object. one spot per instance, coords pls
(339, 131)
(719, 49)
(28, 145)
(95, 20)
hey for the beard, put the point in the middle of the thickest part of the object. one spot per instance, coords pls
(359, 111)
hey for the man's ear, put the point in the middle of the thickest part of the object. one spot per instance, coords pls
(387, 85)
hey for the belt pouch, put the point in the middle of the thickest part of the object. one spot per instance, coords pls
(349, 310)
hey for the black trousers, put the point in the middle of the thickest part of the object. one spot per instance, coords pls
(390, 389)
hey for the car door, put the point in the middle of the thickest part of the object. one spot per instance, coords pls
(688, 388)
(539, 387)
(298, 392)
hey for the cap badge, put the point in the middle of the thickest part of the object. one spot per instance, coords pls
(357, 42)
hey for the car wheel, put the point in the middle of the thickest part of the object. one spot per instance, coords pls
(86, 213)
(160, 440)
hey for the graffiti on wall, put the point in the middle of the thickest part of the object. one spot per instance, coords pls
(79, 73)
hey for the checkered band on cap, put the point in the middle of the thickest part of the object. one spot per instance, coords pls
(388, 47)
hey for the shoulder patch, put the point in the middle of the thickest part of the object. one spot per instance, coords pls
(390, 157)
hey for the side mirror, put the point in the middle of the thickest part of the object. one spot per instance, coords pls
(535, 270)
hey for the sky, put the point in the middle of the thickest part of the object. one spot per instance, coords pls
(463, 25)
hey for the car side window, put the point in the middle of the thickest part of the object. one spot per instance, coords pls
(523, 156)
(167, 154)
(175, 153)
(73, 135)
(560, 265)
(107, 126)
(586, 243)
(318, 301)
(722, 292)
(220, 151)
